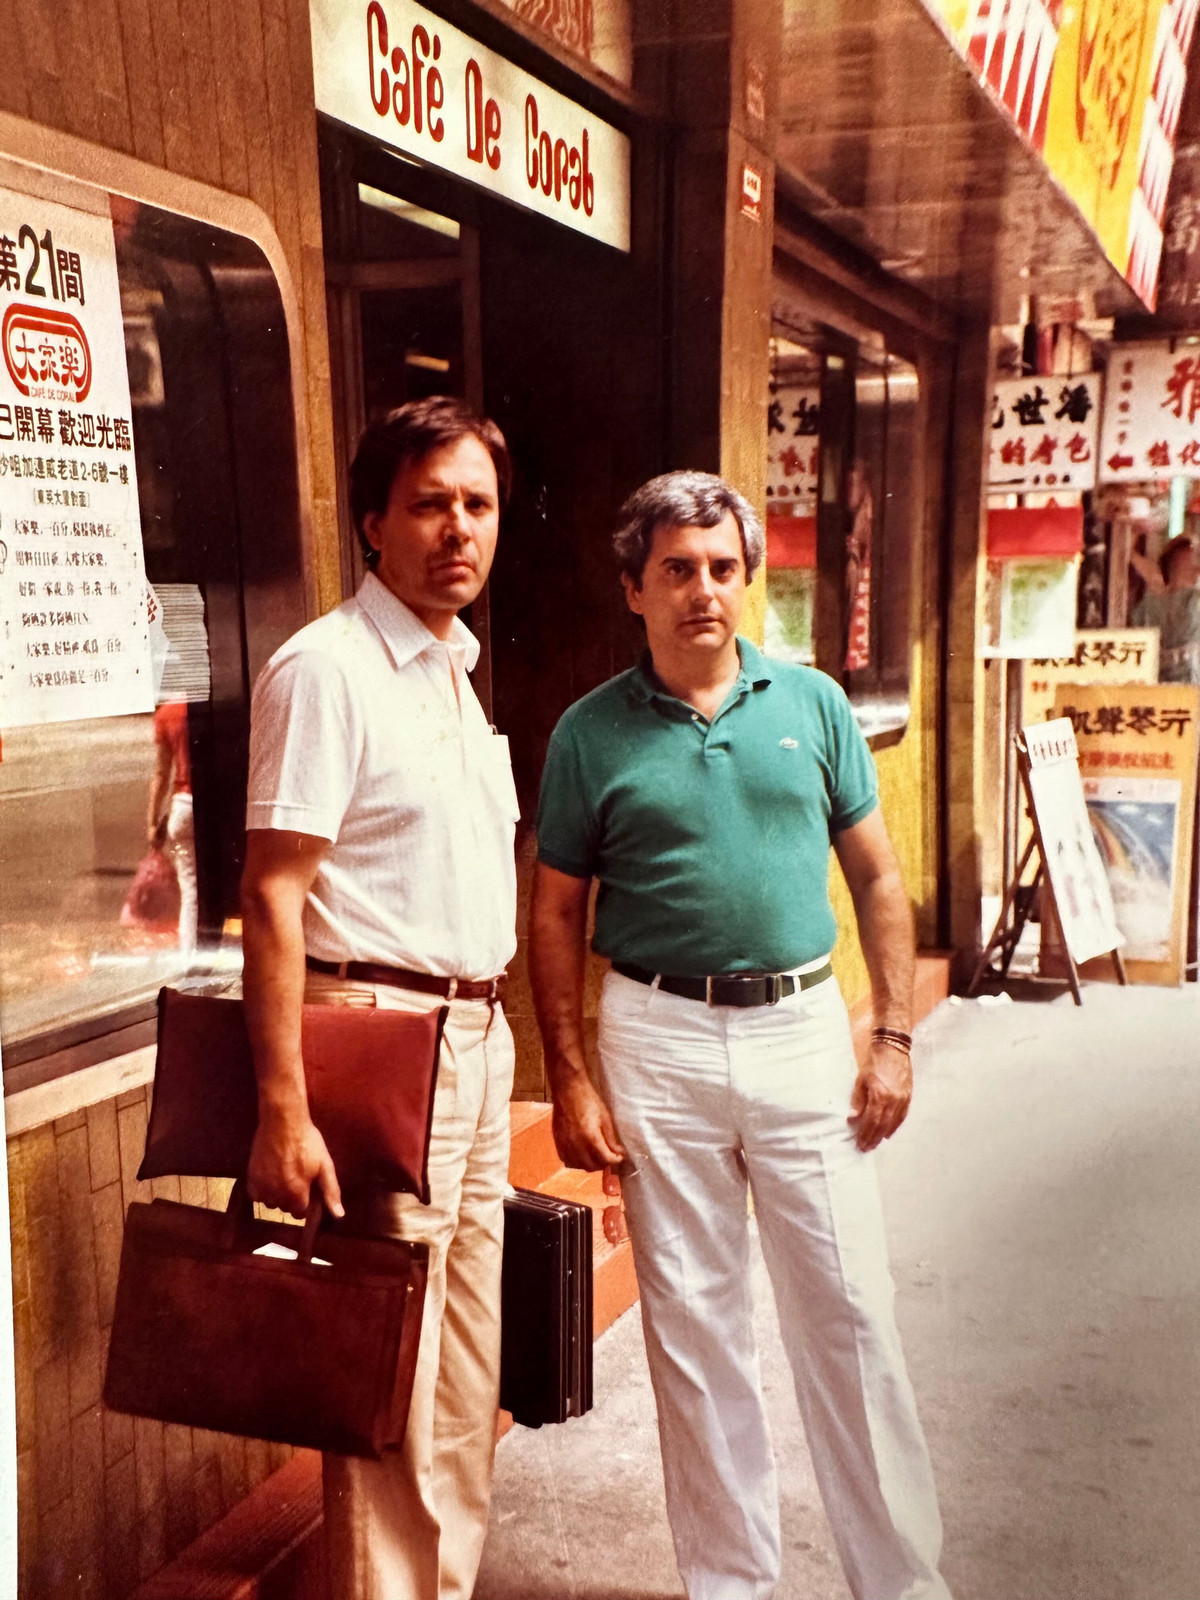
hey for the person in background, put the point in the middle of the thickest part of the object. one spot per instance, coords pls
(170, 823)
(1174, 609)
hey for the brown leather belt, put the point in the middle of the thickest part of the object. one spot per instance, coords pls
(402, 978)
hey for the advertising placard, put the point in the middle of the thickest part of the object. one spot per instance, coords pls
(793, 425)
(1077, 876)
(1137, 757)
(74, 629)
(406, 77)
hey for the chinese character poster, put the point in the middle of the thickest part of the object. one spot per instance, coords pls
(74, 631)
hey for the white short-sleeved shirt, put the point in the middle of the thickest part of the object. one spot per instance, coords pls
(365, 731)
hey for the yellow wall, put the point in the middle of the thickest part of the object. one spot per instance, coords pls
(908, 796)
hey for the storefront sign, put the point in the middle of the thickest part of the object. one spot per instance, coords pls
(1095, 88)
(1043, 433)
(1101, 655)
(74, 630)
(403, 75)
(1076, 872)
(1151, 425)
(793, 427)
(1137, 755)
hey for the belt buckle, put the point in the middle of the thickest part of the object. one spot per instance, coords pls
(774, 988)
(708, 999)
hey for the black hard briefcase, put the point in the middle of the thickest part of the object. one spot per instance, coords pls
(546, 1309)
(318, 1349)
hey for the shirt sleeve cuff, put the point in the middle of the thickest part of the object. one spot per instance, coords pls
(860, 813)
(286, 818)
(573, 869)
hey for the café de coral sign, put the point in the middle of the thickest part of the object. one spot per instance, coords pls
(395, 71)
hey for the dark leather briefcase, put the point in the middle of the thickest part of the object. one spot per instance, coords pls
(371, 1074)
(546, 1309)
(313, 1345)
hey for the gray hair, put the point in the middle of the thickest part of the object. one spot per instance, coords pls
(683, 500)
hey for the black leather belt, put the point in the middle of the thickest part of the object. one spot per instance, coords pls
(402, 978)
(730, 988)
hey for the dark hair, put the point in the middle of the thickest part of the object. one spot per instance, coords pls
(409, 434)
(1171, 551)
(683, 500)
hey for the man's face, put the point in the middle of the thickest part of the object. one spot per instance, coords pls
(437, 536)
(693, 588)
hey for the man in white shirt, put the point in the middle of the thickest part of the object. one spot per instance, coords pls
(379, 871)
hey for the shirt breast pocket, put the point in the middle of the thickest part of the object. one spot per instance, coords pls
(495, 767)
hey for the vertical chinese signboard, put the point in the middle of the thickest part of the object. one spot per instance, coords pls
(74, 633)
(1137, 755)
(1042, 433)
(1151, 426)
(793, 451)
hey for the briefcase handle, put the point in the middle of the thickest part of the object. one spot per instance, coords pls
(239, 1214)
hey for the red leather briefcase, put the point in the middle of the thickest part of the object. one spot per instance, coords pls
(371, 1074)
(316, 1349)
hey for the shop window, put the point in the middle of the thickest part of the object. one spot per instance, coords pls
(91, 922)
(842, 440)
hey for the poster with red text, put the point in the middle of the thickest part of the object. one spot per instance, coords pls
(74, 633)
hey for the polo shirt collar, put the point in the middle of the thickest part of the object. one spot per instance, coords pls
(402, 631)
(753, 673)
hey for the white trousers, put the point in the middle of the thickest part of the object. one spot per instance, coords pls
(707, 1100)
(411, 1527)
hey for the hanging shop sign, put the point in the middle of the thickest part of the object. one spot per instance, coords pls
(1151, 424)
(1096, 89)
(403, 75)
(1042, 433)
(1137, 755)
(1179, 275)
(74, 626)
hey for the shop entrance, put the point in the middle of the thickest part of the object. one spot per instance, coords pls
(436, 288)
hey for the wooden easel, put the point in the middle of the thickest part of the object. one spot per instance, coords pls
(1020, 899)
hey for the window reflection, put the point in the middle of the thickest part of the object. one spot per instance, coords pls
(121, 837)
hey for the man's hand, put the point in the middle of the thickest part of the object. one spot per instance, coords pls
(881, 1095)
(287, 1157)
(584, 1134)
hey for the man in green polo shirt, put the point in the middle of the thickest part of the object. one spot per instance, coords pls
(703, 789)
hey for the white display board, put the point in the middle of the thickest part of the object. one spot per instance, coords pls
(1042, 433)
(406, 77)
(1077, 874)
(74, 633)
(1151, 426)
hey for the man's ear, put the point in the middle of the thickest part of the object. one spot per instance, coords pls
(370, 528)
(633, 594)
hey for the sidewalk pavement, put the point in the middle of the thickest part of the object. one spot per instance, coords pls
(1043, 1203)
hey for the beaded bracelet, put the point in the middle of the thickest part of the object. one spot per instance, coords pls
(893, 1036)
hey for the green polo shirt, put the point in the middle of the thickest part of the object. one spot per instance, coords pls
(710, 839)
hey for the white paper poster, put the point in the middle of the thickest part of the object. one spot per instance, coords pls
(1151, 426)
(1042, 433)
(74, 633)
(1081, 887)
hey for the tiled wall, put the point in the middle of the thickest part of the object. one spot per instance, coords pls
(103, 1500)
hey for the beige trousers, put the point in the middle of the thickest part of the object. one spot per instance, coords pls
(411, 1527)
